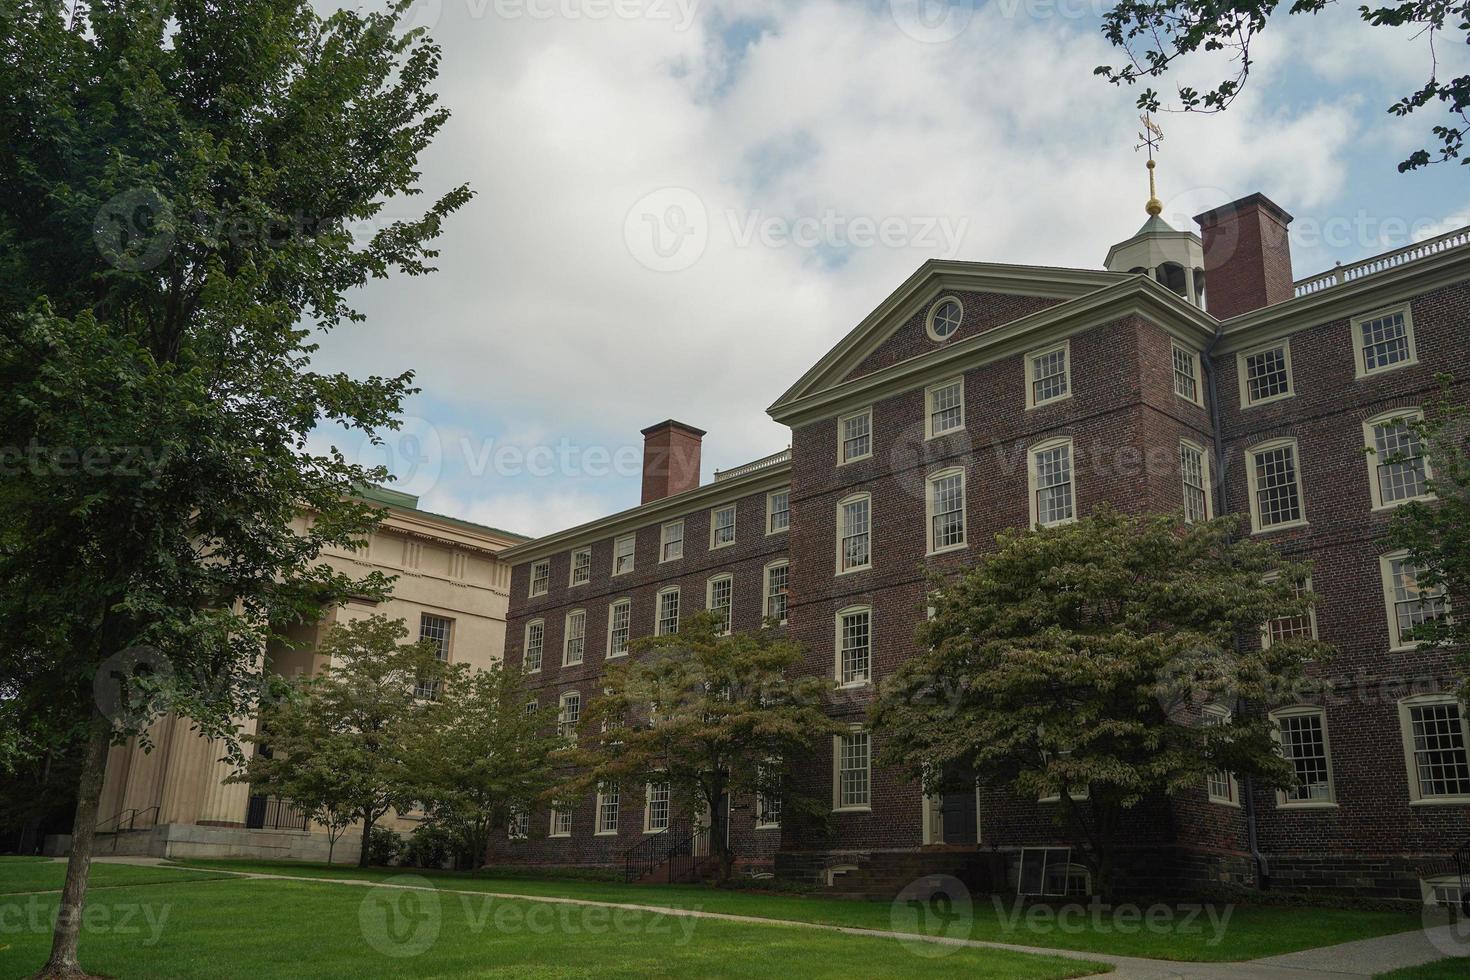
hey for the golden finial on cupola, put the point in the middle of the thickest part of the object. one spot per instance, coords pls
(1151, 137)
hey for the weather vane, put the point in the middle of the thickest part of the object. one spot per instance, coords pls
(1151, 137)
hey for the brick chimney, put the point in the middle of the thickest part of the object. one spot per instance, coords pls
(670, 459)
(1247, 256)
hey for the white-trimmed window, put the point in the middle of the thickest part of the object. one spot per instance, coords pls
(722, 527)
(1053, 494)
(855, 436)
(533, 706)
(1409, 604)
(946, 505)
(944, 318)
(1444, 890)
(851, 771)
(438, 630)
(561, 823)
(535, 645)
(656, 799)
(624, 549)
(619, 620)
(854, 665)
(767, 805)
(944, 407)
(518, 823)
(666, 612)
(574, 644)
(541, 577)
(854, 533)
(1265, 374)
(1299, 627)
(1186, 375)
(1397, 469)
(1049, 374)
(1194, 473)
(1437, 748)
(569, 714)
(581, 566)
(1302, 736)
(671, 541)
(1276, 485)
(778, 510)
(1220, 786)
(1383, 341)
(608, 796)
(777, 581)
(719, 598)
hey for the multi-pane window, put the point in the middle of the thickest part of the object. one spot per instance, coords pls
(533, 706)
(1276, 485)
(944, 318)
(1051, 474)
(435, 630)
(666, 615)
(778, 511)
(855, 436)
(1384, 342)
(575, 644)
(722, 526)
(853, 776)
(561, 823)
(721, 591)
(778, 575)
(671, 539)
(767, 804)
(1193, 472)
(619, 615)
(608, 796)
(1220, 786)
(623, 551)
(535, 644)
(581, 566)
(1397, 463)
(946, 407)
(518, 826)
(1186, 375)
(1302, 626)
(540, 578)
(1304, 745)
(855, 646)
(1048, 375)
(571, 714)
(656, 809)
(1439, 756)
(854, 522)
(1411, 604)
(947, 510)
(1266, 374)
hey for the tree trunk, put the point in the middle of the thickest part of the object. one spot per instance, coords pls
(63, 961)
(367, 832)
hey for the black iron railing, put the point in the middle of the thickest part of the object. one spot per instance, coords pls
(1462, 864)
(675, 855)
(135, 819)
(273, 813)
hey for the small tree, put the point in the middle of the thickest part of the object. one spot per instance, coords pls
(1079, 657)
(341, 747)
(482, 755)
(707, 713)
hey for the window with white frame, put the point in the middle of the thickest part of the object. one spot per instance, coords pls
(608, 795)
(767, 804)
(535, 645)
(1053, 500)
(540, 577)
(944, 318)
(624, 549)
(722, 526)
(855, 436)
(778, 510)
(1186, 375)
(855, 646)
(854, 532)
(574, 646)
(852, 789)
(719, 595)
(945, 407)
(1384, 341)
(533, 706)
(570, 715)
(1048, 375)
(1397, 469)
(1302, 735)
(1437, 748)
(1410, 604)
(518, 824)
(561, 823)
(437, 630)
(1302, 626)
(1220, 786)
(581, 566)
(946, 503)
(1444, 890)
(619, 618)
(778, 575)
(671, 541)
(1194, 472)
(1276, 485)
(656, 808)
(1265, 374)
(666, 612)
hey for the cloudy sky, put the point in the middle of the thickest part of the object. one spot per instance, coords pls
(682, 204)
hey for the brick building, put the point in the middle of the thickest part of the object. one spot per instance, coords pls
(1193, 374)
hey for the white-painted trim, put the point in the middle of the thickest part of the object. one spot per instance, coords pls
(771, 511)
(842, 420)
(597, 811)
(566, 638)
(1205, 475)
(633, 555)
(1282, 803)
(1406, 731)
(526, 646)
(714, 512)
(663, 541)
(709, 597)
(1033, 478)
(934, 308)
(837, 741)
(1255, 502)
(572, 567)
(1396, 643)
(1199, 380)
(531, 583)
(1370, 454)
(766, 588)
(612, 608)
(929, 411)
(929, 513)
(837, 618)
(1360, 361)
(658, 600)
(1240, 372)
(1031, 356)
(841, 525)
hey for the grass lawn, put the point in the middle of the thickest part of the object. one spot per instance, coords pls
(1456, 969)
(224, 929)
(26, 874)
(1249, 931)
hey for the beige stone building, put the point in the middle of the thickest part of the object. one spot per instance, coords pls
(173, 801)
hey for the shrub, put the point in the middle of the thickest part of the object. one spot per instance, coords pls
(383, 846)
(429, 846)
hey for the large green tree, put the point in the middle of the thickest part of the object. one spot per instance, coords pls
(180, 183)
(1075, 663)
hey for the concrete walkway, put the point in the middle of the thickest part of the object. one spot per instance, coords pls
(1364, 958)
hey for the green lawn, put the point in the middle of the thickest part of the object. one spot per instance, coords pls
(24, 874)
(225, 929)
(1249, 931)
(1456, 969)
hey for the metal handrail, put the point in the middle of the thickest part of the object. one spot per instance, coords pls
(676, 851)
(273, 813)
(1381, 263)
(1462, 864)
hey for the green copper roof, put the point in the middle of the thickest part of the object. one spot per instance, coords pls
(407, 501)
(1153, 225)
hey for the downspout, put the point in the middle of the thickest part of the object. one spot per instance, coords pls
(1263, 867)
